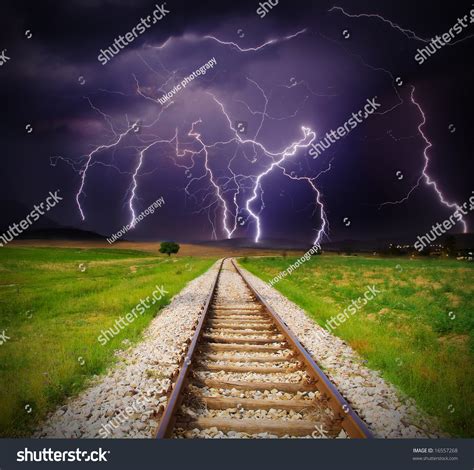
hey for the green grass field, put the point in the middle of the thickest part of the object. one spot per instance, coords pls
(53, 304)
(406, 332)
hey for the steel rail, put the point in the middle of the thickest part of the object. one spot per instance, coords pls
(174, 402)
(350, 421)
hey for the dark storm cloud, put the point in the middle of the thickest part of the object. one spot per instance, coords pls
(40, 85)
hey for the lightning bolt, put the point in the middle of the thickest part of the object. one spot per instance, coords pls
(89, 157)
(322, 231)
(278, 158)
(258, 48)
(217, 188)
(308, 138)
(424, 176)
(405, 31)
(223, 193)
(135, 178)
(237, 179)
(194, 38)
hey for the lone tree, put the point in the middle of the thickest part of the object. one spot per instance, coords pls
(169, 247)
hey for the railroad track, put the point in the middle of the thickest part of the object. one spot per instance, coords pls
(246, 375)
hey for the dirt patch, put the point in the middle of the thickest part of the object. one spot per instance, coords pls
(458, 340)
(361, 345)
(421, 282)
(454, 299)
(429, 375)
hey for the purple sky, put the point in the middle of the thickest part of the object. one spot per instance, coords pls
(316, 79)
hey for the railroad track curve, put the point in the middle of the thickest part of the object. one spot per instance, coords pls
(246, 375)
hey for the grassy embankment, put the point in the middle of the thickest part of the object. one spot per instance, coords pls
(407, 331)
(53, 304)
